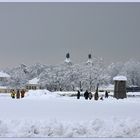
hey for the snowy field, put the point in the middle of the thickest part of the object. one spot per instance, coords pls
(45, 114)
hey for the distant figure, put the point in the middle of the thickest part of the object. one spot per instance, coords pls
(18, 94)
(60, 89)
(13, 94)
(106, 94)
(90, 96)
(96, 96)
(78, 94)
(86, 95)
(22, 93)
(101, 98)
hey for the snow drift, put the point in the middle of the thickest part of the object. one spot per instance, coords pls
(111, 127)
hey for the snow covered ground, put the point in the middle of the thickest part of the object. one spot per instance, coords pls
(45, 114)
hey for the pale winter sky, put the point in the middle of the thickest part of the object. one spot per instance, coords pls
(45, 32)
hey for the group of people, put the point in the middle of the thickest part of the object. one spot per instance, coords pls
(18, 94)
(89, 95)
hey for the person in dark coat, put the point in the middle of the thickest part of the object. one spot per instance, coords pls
(106, 94)
(22, 93)
(18, 94)
(78, 94)
(90, 96)
(96, 96)
(86, 95)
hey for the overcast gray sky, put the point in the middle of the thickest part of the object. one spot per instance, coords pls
(45, 32)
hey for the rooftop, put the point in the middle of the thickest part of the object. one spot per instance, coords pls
(120, 78)
(2, 74)
(34, 81)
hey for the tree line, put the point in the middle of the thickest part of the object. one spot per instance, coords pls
(69, 77)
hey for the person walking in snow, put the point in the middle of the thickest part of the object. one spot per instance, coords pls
(78, 94)
(13, 94)
(106, 94)
(90, 96)
(96, 96)
(86, 95)
(22, 93)
(18, 94)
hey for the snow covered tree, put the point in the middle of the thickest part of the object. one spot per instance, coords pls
(114, 70)
(131, 70)
(68, 76)
(19, 76)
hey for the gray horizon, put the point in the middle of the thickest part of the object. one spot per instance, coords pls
(44, 32)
